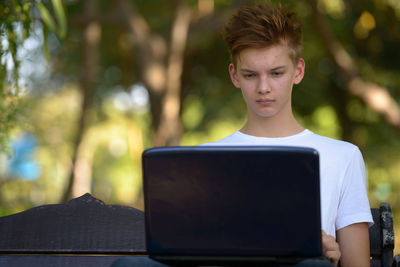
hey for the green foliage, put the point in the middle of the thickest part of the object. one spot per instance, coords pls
(15, 26)
(59, 28)
(17, 21)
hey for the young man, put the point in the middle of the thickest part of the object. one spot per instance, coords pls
(265, 46)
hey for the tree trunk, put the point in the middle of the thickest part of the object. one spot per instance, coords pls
(161, 70)
(160, 65)
(170, 129)
(79, 181)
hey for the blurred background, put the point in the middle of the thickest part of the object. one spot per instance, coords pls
(86, 86)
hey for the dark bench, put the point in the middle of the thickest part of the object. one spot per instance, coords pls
(86, 232)
(382, 238)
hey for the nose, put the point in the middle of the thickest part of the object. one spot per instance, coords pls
(264, 87)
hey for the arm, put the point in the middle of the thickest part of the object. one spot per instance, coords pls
(354, 245)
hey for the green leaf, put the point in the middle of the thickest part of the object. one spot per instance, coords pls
(46, 17)
(61, 18)
(46, 44)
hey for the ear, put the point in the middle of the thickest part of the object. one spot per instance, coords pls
(299, 72)
(233, 75)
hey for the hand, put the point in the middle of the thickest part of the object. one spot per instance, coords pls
(330, 248)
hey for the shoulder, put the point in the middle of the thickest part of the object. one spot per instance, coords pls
(330, 145)
(334, 152)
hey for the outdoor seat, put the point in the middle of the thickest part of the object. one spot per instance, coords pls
(87, 232)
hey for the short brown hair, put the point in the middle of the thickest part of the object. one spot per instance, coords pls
(263, 26)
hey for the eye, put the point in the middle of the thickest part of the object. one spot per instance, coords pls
(277, 73)
(248, 75)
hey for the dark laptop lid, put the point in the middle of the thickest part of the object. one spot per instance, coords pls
(232, 201)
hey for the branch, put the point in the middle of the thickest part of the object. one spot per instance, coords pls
(108, 18)
(214, 22)
(373, 95)
(150, 48)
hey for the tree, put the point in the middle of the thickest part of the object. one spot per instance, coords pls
(79, 181)
(160, 59)
(372, 94)
(177, 53)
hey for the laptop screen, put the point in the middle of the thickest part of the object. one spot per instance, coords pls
(232, 201)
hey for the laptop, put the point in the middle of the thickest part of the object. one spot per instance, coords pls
(218, 205)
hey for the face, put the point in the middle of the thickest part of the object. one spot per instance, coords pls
(266, 77)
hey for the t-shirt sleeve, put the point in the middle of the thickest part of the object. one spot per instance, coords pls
(353, 204)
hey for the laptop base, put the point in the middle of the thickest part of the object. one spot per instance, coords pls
(228, 260)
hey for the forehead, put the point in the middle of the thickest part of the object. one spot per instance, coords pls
(271, 56)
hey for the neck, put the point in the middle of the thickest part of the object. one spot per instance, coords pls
(272, 126)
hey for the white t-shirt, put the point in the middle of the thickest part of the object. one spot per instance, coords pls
(344, 199)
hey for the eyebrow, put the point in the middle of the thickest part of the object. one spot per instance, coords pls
(273, 69)
(246, 70)
(278, 68)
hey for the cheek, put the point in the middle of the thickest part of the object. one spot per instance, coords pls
(284, 85)
(246, 85)
(279, 85)
(246, 93)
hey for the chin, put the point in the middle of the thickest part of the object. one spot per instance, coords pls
(266, 115)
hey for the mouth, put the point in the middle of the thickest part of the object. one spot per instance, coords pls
(266, 101)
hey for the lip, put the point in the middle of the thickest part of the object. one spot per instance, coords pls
(266, 101)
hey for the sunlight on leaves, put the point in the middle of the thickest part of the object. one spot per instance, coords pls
(382, 192)
(355, 110)
(335, 8)
(194, 138)
(395, 4)
(325, 122)
(380, 175)
(364, 25)
(221, 129)
(193, 113)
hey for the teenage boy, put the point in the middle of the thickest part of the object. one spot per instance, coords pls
(265, 45)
